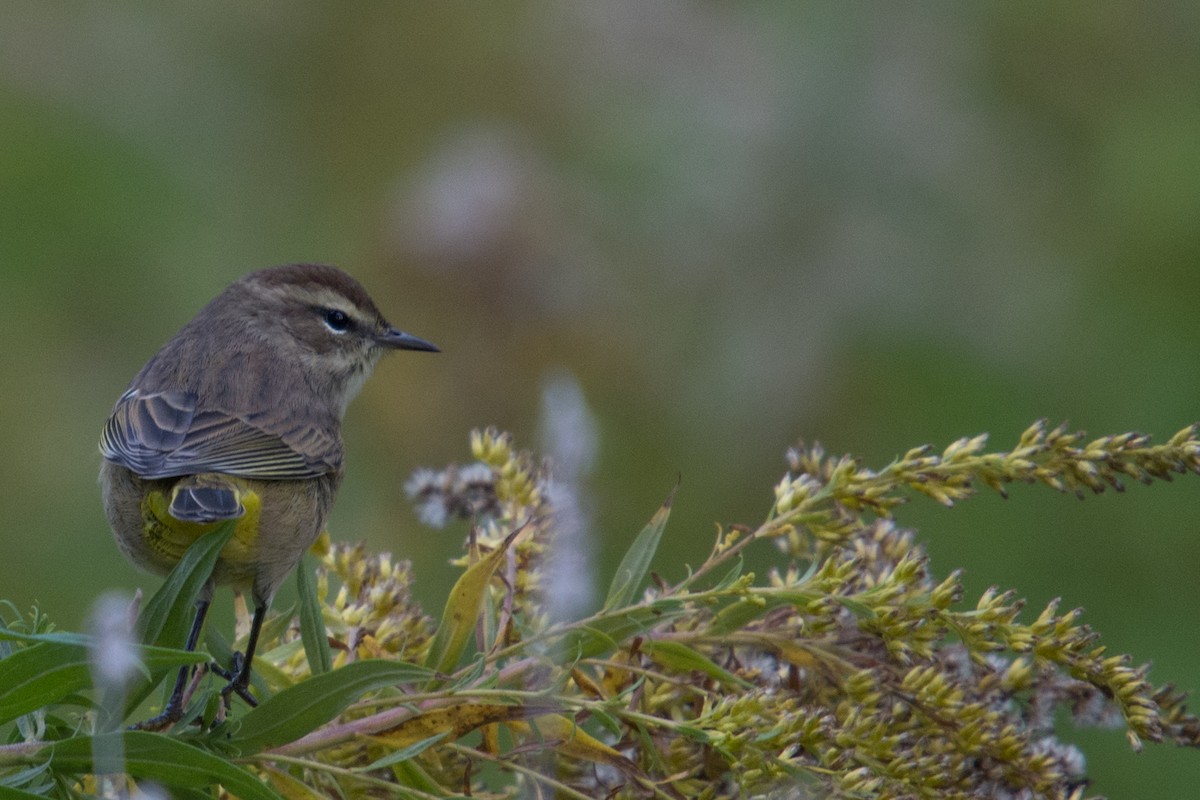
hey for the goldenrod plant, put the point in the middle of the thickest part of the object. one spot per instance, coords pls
(850, 670)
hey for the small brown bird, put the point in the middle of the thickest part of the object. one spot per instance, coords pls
(239, 417)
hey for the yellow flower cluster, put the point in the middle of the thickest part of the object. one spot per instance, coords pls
(372, 614)
(517, 480)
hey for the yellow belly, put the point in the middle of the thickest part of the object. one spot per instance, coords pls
(168, 537)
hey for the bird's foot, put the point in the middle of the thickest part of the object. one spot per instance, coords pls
(176, 704)
(169, 716)
(238, 676)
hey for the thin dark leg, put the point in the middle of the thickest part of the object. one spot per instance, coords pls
(174, 708)
(241, 667)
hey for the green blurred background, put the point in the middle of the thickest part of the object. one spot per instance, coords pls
(876, 225)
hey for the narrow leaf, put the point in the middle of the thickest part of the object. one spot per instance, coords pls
(168, 761)
(291, 788)
(277, 624)
(453, 721)
(157, 658)
(168, 615)
(409, 774)
(856, 607)
(607, 633)
(7, 793)
(740, 612)
(57, 667)
(25, 776)
(636, 563)
(300, 709)
(462, 609)
(216, 644)
(404, 753)
(569, 739)
(39, 675)
(59, 637)
(680, 657)
(606, 720)
(312, 626)
(731, 577)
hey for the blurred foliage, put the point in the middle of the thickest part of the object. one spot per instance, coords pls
(734, 224)
(849, 670)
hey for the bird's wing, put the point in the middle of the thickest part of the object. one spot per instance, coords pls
(163, 434)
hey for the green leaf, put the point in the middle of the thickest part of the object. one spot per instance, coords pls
(312, 625)
(7, 793)
(299, 709)
(39, 675)
(737, 614)
(221, 652)
(636, 563)
(606, 721)
(59, 637)
(856, 607)
(150, 659)
(25, 776)
(218, 647)
(731, 577)
(277, 624)
(695, 734)
(403, 754)
(472, 675)
(408, 774)
(462, 609)
(158, 658)
(150, 654)
(179, 793)
(680, 657)
(168, 615)
(168, 761)
(607, 632)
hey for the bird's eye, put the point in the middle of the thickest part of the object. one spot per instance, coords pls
(336, 320)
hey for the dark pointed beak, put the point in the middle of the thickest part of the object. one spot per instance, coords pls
(406, 341)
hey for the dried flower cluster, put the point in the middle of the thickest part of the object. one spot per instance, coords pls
(851, 670)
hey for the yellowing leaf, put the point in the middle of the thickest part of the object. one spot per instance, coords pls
(567, 738)
(462, 609)
(290, 788)
(453, 721)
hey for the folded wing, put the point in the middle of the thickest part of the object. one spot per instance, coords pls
(163, 435)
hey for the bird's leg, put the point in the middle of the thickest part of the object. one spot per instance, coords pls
(173, 711)
(239, 672)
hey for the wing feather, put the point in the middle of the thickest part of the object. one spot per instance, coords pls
(163, 435)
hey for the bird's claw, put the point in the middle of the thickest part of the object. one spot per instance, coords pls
(238, 676)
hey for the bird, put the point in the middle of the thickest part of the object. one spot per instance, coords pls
(238, 417)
